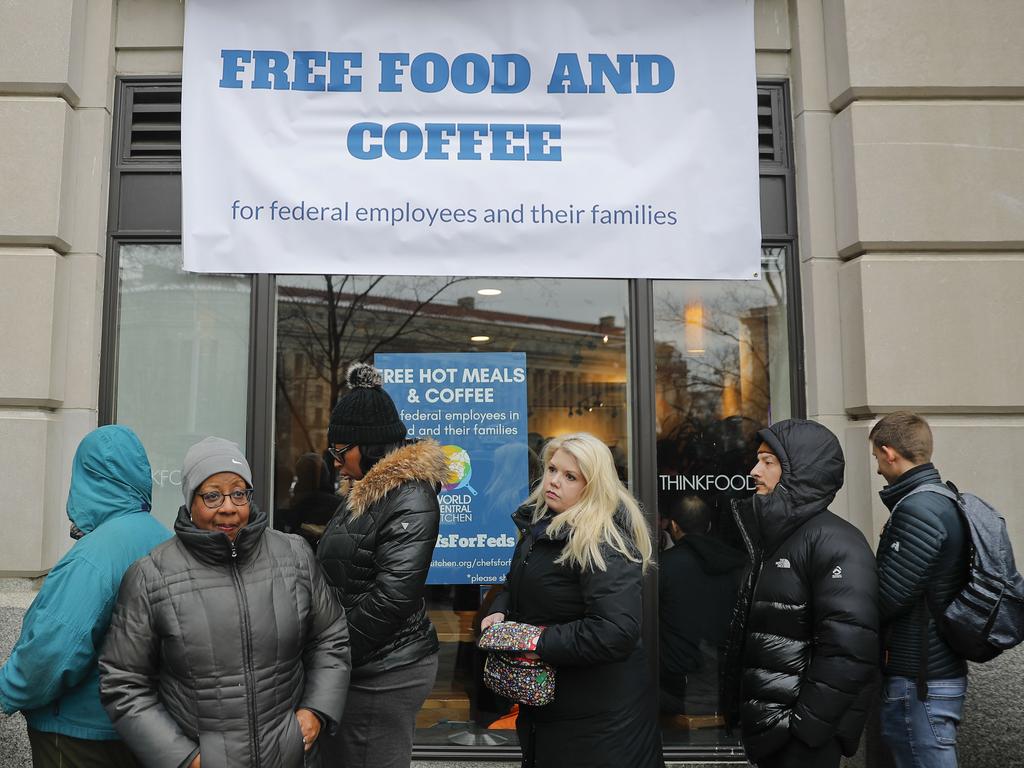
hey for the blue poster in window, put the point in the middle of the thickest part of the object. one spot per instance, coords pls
(474, 405)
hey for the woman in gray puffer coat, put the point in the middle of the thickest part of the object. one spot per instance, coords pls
(376, 552)
(227, 648)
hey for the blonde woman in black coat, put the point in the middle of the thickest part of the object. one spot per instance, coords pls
(578, 572)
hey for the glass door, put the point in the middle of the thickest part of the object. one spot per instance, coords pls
(573, 334)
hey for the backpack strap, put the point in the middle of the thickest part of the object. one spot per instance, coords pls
(948, 490)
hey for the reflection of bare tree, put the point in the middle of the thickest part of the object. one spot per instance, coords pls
(731, 373)
(295, 411)
(334, 320)
(720, 364)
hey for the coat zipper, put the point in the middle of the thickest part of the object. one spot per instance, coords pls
(757, 557)
(521, 568)
(250, 687)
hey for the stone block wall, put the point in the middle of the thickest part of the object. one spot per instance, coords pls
(56, 86)
(909, 149)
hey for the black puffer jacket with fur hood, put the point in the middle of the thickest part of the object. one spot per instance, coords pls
(376, 552)
(804, 650)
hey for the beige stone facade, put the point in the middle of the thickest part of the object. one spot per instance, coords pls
(908, 125)
(908, 130)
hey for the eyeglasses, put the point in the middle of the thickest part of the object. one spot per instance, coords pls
(215, 499)
(338, 454)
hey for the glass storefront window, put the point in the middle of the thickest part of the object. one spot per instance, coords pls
(722, 373)
(182, 360)
(573, 332)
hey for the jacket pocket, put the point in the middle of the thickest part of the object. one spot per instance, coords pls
(312, 758)
(213, 749)
(293, 751)
(895, 689)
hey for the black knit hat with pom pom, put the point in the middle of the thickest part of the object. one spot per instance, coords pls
(366, 414)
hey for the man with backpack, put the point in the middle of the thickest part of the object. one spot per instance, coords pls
(922, 565)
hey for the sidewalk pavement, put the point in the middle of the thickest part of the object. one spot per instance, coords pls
(15, 597)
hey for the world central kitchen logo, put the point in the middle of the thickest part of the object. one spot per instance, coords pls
(474, 541)
(460, 469)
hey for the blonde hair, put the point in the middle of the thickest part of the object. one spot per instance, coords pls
(590, 522)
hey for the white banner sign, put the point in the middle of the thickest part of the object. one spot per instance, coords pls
(589, 138)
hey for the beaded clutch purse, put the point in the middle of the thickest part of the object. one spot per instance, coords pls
(509, 672)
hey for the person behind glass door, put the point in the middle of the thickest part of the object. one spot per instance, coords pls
(313, 500)
(227, 646)
(376, 552)
(577, 571)
(697, 582)
(52, 674)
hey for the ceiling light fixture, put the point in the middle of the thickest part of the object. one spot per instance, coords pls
(479, 338)
(489, 292)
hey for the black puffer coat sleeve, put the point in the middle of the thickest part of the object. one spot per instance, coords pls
(129, 664)
(503, 602)
(405, 546)
(843, 584)
(904, 571)
(610, 627)
(325, 658)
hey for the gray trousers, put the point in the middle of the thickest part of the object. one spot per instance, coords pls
(380, 717)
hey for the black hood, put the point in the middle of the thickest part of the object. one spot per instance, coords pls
(812, 473)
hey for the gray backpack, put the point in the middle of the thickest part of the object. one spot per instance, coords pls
(987, 616)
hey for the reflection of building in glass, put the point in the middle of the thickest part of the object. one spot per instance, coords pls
(721, 356)
(576, 380)
(183, 343)
(576, 371)
(721, 351)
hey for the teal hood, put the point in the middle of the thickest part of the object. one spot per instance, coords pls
(52, 674)
(110, 478)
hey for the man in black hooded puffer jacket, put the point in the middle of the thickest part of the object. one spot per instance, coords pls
(803, 654)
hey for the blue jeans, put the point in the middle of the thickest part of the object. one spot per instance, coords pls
(922, 734)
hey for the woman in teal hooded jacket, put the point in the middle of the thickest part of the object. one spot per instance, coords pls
(52, 674)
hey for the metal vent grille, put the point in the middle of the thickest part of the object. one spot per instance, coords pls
(767, 140)
(154, 132)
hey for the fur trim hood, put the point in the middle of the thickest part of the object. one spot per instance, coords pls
(423, 460)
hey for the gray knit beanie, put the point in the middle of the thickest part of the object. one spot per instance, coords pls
(366, 414)
(208, 457)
